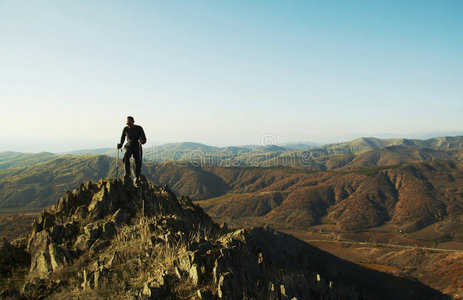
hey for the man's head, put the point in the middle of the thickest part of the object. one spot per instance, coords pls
(130, 121)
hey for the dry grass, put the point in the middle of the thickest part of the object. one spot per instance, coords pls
(143, 258)
(136, 262)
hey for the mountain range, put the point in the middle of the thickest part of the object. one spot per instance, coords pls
(410, 196)
(405, 185)
(307, 155)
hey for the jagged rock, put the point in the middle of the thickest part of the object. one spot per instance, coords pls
(64, 233)
(46, 253)
(47, 220)
(236, 270)
(195, 274)
(49, 258)
(81, 212)
(58, 256)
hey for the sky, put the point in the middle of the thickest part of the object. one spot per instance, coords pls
(228, 72)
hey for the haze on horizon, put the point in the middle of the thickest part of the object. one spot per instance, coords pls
(228, 73)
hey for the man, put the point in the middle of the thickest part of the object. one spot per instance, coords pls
(135, 138)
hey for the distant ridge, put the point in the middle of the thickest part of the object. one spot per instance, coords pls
(365, 144)
(12, 159)
(89, 151)
(185, 150)
(275, 154)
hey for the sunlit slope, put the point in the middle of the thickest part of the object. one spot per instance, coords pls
(18, 159)
(37, 185)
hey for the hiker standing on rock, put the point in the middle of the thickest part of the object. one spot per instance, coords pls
(135, 138)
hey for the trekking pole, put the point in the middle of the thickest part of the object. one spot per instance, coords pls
(141, 193)
(117, 162)
(139, 155)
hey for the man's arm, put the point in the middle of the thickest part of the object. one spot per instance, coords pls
(142, 135)
(122, 138)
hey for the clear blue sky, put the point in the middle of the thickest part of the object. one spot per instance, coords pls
(228, 72)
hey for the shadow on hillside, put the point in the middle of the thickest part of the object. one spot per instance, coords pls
(373, 284)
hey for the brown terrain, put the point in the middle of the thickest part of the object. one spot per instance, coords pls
(14, 225)
(433, 265)
(409, 197)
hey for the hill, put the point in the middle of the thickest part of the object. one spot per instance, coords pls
(366, 144)
(112, 239)
(305, 155)
(387, 156)
(350, 154)
(17, 159)
(103, 151)
(35, 186)
(410, 196)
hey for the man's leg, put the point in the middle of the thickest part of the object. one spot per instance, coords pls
(128, 153)
(137, 154)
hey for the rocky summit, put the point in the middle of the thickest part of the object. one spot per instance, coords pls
(118, 240)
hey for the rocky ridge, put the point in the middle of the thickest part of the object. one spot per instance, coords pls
(114, 239)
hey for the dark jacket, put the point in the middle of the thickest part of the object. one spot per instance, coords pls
(133, 134)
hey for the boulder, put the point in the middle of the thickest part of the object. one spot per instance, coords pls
(195, 274)
(49, 258)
